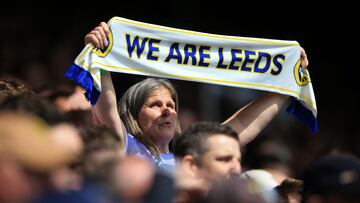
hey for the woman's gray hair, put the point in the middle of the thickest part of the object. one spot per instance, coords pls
(132, 102)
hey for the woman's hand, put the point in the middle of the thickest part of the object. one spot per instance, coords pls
(304, 59)
(98, 36)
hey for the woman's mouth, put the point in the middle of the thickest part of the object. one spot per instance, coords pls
(166, 124)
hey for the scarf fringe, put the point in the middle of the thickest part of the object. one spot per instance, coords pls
(83, 78)
(303, 114)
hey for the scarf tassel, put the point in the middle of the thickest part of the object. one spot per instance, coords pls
(303, 114)
(83, 78)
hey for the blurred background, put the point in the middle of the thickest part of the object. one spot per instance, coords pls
(37, 46)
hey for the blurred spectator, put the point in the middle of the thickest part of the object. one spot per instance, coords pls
(34, 105)
(27, 157)
(132, 179)
(71, 101)
(223, 100)
(67, 136)
(235, 190)
(62, 132)
(269, 154)
(14, 87)
(332, 178)
(265, 183)
(187, 117)
(87, 179)
(290, 190)
(67, 98)
(102, 145)
(90, 173)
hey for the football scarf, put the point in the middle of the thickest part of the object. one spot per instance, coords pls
(152, 50)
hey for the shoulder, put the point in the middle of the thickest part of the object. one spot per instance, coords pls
(135, 147)
(167, 161)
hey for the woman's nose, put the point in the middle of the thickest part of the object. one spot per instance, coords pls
(165, 111)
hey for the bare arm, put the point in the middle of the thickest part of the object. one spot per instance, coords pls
(254, 117)
(105, 111)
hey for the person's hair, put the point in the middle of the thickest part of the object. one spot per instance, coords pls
(98, 140)
(14, 87)
(132, 102)
(34, 105)
(287, 187)
(193, 139)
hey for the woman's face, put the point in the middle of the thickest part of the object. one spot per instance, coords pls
(157, 117)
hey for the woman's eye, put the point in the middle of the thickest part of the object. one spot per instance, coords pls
(155, 105)
(160, 105)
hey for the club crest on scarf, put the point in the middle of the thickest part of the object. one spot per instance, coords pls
(301, 74)
(104, 52)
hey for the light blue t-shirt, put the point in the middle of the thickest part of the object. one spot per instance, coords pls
(134, 147)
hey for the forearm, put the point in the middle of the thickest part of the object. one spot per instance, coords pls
(254, 117)
(105, 111)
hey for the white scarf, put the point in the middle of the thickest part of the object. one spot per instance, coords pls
(146, 49)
